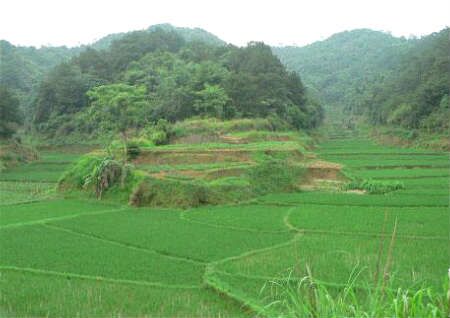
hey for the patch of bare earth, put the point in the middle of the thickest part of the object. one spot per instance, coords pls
(324, 170)
(322, 175)
(233, 140)
(356, 191)
(193, 157)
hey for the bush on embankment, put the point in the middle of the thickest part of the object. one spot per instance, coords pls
(100, 175)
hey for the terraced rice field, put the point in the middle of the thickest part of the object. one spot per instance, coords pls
(69, 257)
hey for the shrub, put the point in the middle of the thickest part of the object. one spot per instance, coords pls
(217, 127)
(96, 173)
(159, 133)
(274, 176)
(172, 193)
(374, 186)
(14, 152)
(133, 149)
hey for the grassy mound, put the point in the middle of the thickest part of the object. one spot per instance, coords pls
(247, 158)
(13, 153)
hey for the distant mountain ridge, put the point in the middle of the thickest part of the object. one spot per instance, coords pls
(351, 70)
(392, 81)
(345, 62)
(188, 34)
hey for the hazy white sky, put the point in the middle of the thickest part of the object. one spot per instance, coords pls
(74, 22)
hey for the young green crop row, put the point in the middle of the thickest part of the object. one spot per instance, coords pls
(35, 172)
(351, 199)
(62, 257)
(16, 192)
(31, 294)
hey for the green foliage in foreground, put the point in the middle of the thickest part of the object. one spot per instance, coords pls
(67, 296)
(308, 297)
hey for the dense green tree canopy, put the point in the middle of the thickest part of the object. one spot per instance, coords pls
(393, 81)
(147, 76)
(10, 116)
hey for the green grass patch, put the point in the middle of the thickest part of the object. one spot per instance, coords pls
(333, 257)
(16, 192)
(342, 199)
(35, 172)
(401, 173)
(424, 182)
(406, 163)
(429, 221)
(152, 168)
(216, 126)
(253, 217)
(163, 230)
(60, 251)
(33, 295)
(58, 157)
(265, 145)
(31, 212)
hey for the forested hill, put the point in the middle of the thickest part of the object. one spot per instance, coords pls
(22, 67)
(392, 81)
(188, 34)
(343, 65)
(143, 77)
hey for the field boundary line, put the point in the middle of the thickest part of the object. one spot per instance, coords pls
(298, 204)
(126, 245)
(344, 154)
(28, 181)
(97, 278)
(408, 237)
(411, 177)
(26, 202)
(72, 216)
(244, 229)
(217, 285)
(287, 223)
(365, 234)
(399, 167)
(256, 251)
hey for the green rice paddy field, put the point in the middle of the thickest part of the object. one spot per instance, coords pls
(66, 257)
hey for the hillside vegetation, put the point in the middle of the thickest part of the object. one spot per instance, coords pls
(392, 81)
(23, 68)
(147, 76)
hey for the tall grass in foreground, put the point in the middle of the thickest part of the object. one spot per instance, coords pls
(308, 297)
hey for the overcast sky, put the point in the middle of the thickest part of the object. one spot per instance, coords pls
(276, 22)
